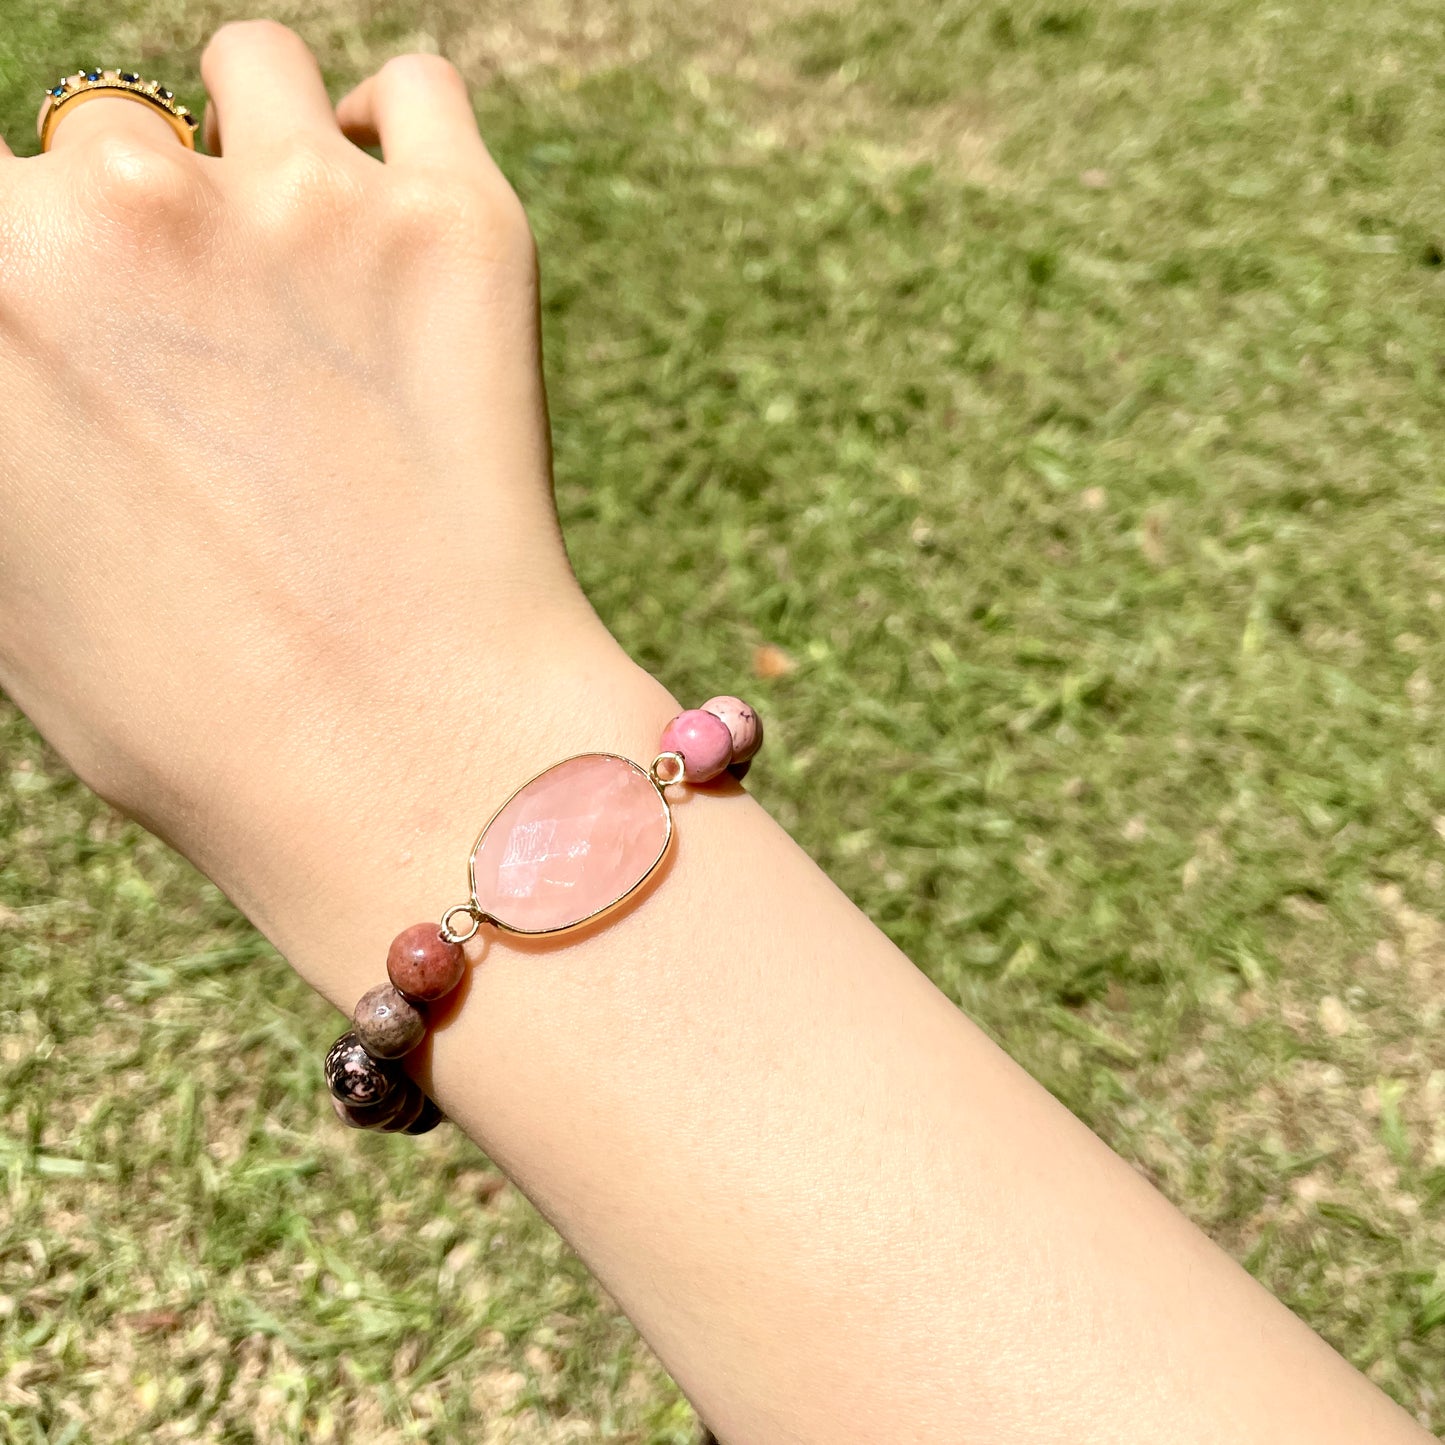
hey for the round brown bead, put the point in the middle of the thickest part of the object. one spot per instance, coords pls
(356, 1078)
(346, 1114)
(369, 1116)
(427, 1120)
(422, 964)
(409, 1111)
(388, 1023)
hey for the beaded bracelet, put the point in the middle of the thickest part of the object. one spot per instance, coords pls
(567, 847)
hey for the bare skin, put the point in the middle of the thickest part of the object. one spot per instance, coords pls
(279, 567)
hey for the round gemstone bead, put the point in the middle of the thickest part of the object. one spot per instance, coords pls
(356, 1078)
(387, 1022)
(369, 1116)
(703, 740)
(743, 724)
(346, 1114)
(427, 1120)
(413, 1102)
(422, 964)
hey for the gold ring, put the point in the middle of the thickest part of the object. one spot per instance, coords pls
(87, 85)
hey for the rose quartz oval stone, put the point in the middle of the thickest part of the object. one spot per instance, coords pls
(742, 722)
(703, 740)
(572, 842)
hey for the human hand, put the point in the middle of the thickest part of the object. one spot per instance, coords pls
(277, 504)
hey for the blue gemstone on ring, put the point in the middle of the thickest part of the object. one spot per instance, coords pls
(58, 91)
(92, 75)
(129, 76)
(162, 93)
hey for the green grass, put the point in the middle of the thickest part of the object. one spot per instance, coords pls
(1059, 388)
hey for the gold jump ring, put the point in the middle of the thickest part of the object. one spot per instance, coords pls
(667, 769)
(474, 916)
(86, 85)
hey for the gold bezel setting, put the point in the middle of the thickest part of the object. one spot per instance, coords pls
(480, 915)
(95, 84)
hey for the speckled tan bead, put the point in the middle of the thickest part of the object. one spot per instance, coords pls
(388, 1023)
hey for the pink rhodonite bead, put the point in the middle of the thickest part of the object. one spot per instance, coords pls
(703, 740)
(569, 844)
(422, 964)
(743, 723)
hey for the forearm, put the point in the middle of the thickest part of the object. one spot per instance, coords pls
(830, 1203)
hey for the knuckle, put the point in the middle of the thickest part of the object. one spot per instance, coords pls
(131, 182)
(509, 216)
(520, 246)
(306, 185)
(511, 232)
(432, 203)
(433, 208)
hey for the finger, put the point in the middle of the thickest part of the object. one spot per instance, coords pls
(416, 107)
(5, 149)
(99, 113)
(265, 88)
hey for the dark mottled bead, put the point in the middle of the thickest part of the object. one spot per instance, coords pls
(740, 770)
(422, 964)
(369, 1116)
(427, 1120)
(354, 1077)
(346, 1114)
(409, 1112)
(388, 1023)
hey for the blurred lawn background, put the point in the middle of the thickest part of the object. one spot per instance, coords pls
(1037, 409)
